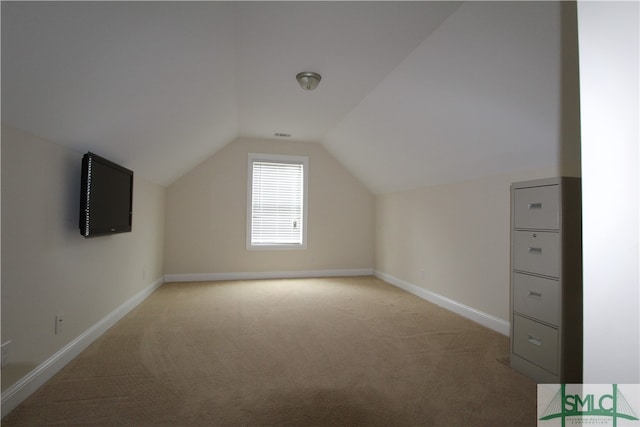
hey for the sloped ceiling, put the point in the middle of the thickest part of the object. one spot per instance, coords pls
(412, 94)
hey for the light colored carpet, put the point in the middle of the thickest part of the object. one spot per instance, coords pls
(310, 352)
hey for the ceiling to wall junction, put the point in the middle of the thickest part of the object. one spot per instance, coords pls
(412, 93)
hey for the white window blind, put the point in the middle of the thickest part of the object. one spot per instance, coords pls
(277, 201)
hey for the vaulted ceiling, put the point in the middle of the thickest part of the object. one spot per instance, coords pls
(412, 93)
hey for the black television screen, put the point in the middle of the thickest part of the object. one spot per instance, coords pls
(106, 197)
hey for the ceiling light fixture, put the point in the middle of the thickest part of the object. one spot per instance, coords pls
(308, 80)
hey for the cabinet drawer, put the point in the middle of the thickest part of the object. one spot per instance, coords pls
(536, 342)
(537, 252)
(537, 207)
(536, 297)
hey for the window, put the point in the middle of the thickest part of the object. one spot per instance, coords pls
(277, 202)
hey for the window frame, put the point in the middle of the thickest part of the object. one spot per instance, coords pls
(277, 158)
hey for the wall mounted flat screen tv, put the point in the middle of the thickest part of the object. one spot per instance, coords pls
(106, 197)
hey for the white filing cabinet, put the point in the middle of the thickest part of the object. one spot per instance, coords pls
(546, 279)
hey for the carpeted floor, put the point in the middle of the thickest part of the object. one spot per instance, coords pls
(310, 352)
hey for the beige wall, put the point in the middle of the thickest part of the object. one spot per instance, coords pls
(453, 240)
(207, 211)
(457, 234)
(48, 267)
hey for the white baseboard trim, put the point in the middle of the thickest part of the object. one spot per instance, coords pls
(213, 277)
(22, 389)
(491, 322)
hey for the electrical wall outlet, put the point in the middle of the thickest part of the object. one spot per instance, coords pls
(5, 352)
(59, 324)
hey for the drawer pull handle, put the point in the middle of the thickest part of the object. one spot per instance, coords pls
(535, 206)
(534, 340)
(535, 251)
(535, 295)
